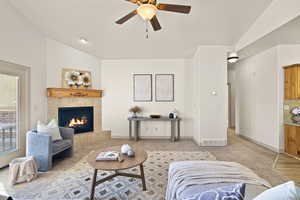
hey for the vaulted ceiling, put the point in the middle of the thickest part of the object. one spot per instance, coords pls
(211, 22)
(286, 34)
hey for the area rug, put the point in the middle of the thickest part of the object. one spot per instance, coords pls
(75, 182)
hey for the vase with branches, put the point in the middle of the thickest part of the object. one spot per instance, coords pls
(134, 110)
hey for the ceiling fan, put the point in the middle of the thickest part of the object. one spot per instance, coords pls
(148, 8)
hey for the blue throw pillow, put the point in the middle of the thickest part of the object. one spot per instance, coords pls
(233, 192)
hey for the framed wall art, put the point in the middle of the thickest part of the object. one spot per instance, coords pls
(164, 87)
(72, 78)
(142, 87)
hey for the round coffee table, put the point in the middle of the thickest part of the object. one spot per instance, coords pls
(126, 163)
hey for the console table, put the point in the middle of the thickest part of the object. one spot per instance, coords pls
(136, 121)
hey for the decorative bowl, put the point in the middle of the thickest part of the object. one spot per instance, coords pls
(155, 116)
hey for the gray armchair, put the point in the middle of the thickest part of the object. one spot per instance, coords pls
(43, 148)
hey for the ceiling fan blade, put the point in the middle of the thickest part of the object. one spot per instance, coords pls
(155, 23)
(174, 8)
(132, 1)
(127, 17)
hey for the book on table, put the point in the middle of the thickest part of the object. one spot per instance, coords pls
(108, 156)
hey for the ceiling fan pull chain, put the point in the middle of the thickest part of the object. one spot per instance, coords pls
(147, 30)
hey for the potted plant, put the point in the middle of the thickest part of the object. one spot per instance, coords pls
(134, 110)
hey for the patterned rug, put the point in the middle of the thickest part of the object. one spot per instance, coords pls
(75, 182)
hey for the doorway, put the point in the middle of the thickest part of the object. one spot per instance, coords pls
(14, 111)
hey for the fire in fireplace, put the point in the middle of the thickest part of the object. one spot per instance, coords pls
(78, 122)
(79, 118)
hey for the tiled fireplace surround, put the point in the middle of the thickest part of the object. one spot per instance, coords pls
(83, 139)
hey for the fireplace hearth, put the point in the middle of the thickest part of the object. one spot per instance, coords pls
(79, 118)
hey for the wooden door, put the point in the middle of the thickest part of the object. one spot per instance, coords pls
(297, 81)
(292, 82)
(297, 138)
(292, 140)
(287, 83)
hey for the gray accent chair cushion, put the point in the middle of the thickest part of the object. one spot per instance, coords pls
(42, 147)
(60, 145)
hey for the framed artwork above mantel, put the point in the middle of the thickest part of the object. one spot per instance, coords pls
(76, 79)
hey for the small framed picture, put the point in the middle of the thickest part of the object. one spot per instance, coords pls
(142, 87)
(164, 87)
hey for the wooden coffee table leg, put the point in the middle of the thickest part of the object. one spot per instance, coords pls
(143, 177)
(93, 184)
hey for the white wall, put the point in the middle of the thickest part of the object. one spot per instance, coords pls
(59, 56)
(195, 82)
(257, 93)
(210, 111)
(287, 55)
(188, 96)
(232, 104)
(22, 44)
(117, 83)
(260, 95)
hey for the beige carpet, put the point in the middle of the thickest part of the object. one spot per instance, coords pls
(75, 182)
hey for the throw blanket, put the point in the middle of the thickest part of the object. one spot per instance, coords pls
(22, 169)
(188, 173)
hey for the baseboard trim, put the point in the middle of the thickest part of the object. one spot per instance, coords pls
(152, 137)
(281, 151)
(261, 144)
(195, 141)
(211, 142)
(291, 155)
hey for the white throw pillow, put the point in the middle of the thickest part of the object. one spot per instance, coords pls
(286, 191)
(51, 129)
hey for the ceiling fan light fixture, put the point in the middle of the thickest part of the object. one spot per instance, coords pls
(147, 11)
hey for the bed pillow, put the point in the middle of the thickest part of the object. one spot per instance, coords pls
(286, 191)
(51, 129)
(233, 192)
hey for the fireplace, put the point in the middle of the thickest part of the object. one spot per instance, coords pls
(79, 118)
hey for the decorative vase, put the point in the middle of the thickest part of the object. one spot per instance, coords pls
(134, 115)
(130, 153)
(175, 114)
(125, 148)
